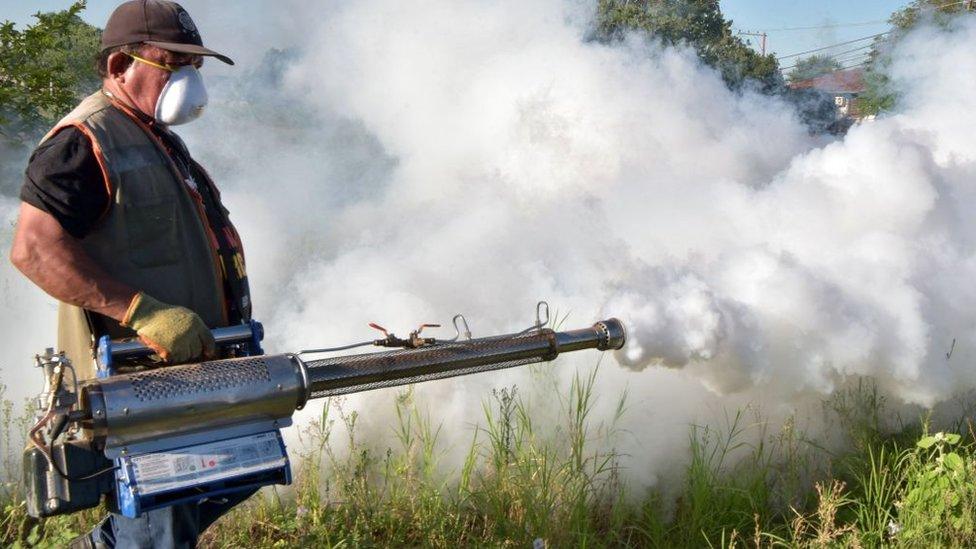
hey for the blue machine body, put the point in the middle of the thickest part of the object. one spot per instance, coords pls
(190, 474)
(169, 476)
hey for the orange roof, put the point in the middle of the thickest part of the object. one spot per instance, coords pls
(844, 81)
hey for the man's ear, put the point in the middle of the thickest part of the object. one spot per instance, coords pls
(118, 63)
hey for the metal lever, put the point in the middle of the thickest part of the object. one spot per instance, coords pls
(412, 341)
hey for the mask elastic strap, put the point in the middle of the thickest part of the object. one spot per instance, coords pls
(166, 68)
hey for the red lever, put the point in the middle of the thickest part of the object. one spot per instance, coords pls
(376, 326)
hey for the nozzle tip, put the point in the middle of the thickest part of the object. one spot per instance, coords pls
(616, 334)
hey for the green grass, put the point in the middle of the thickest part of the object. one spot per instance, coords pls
(746, 484)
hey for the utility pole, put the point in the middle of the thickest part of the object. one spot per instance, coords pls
(762, 37)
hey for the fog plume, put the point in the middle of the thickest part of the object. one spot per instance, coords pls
(407, 161)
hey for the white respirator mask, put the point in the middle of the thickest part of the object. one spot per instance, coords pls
(184, 96)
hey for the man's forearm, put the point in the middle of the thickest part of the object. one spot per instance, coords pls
(56, 261)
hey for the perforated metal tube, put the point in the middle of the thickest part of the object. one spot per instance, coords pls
(348, 374)
(139, 407)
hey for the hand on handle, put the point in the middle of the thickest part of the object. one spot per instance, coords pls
(176, 333)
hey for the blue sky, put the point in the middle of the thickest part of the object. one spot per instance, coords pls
(749, 15)
(768, 15)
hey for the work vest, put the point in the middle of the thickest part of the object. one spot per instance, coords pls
(153, 236)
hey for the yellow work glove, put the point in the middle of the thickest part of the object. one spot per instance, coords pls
(176, 333)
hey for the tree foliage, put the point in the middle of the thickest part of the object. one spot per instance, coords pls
(814, 66)
(880, 95)
(44, 70)
(698, 23)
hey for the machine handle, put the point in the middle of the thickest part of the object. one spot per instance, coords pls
(110, 351)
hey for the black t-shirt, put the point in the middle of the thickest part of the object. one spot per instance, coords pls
(64, 179)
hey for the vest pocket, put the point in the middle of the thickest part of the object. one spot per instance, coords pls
(152, 232)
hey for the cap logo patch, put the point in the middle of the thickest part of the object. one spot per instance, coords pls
(186, 22)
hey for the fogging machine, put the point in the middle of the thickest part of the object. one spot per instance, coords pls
(158, 437)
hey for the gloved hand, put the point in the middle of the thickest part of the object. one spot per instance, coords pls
(176, 333)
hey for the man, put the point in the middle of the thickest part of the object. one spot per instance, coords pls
(127, 231)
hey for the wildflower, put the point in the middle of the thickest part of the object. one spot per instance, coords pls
(893, 528)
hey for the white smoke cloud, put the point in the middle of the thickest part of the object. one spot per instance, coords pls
(628, 178)
(423, 159)
(28, 318)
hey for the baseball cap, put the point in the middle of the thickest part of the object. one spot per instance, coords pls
(158, 23)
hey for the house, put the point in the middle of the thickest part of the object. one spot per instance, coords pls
(844, 86)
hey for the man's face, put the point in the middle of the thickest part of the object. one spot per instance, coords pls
(142, 82)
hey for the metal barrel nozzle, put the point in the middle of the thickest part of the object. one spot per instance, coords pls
(605, 335)
(355, 373)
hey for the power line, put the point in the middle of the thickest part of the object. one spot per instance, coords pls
(940, 6)
(858, 57)
(841, 69)
(849, 54)
(859, 51)
(834, 45)
(838, 54)
(970, 5)
(849, 67)
(841, 61)
(831, 26)
(834, 56)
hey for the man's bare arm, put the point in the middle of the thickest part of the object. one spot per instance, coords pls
(55, 261)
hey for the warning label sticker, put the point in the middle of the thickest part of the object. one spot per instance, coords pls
(194, 465)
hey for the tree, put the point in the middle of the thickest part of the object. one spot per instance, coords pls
(814, 66)
(698, 23)
(44, 70)
(880, 95)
